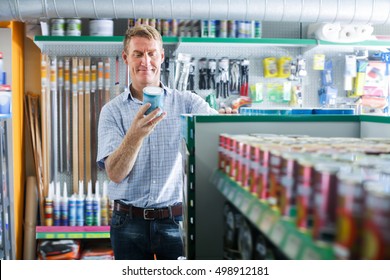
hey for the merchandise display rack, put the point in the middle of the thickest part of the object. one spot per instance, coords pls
(72, 232)
(201, 133)
(295, 243)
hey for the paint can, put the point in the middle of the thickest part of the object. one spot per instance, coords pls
(57, 27)
(101, 27)
(376, 225)
(73, 27)
(155, 96)
(350, 214)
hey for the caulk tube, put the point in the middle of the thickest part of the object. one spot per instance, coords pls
(64, 207)
(57, 205)
(80, 205)
(49, 206)
(96, 206)
(88, 206)
(104, 206)
(72, 210)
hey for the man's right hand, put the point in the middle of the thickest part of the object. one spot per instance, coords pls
(142, 124)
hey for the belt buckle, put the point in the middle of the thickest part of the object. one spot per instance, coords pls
(146, 210)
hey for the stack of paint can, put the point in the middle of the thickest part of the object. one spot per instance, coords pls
(68, 27)
(202, 28)
(335, 189)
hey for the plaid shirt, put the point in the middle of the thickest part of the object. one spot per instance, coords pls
(156, 178)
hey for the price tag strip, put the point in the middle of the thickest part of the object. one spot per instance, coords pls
(278, 234)
(232, 194)
(246, 203)
(268, 222)
(238, 199)
(310, 253)
(292, 247)
(255, 214)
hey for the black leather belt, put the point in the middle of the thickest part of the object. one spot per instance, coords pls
(149, 213)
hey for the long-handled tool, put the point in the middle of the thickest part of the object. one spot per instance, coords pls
(93, 122)
(117, 86)
(87, 119)
(107, 80)
(67, 123)
(44, 96)
(61, 113)
(81, 126)
(75, 123)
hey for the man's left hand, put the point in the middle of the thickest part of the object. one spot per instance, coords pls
(227, 110)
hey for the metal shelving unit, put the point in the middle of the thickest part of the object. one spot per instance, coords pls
(6, 213)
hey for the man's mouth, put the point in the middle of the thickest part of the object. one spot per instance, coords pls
(146, 69)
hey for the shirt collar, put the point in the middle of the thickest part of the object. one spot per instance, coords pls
(127, 93)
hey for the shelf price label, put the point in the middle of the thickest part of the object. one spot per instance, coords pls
(255, 213)
(310, 254)
(278, 233)
(231, 194)
(50, 236)
(226, 190)
(76, 235)
(238, 199)
(246, 203)
(293, 244)
(267, 222)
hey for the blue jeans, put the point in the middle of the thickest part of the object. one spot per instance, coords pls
(139, 239)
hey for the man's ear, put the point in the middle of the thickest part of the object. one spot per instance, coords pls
(124, 57)
(162, 56)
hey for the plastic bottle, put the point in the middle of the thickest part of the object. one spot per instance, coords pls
(80, 205)
(57, 205)
(64, 207)
(72, 210)
(96, 206)
(104, 206)
(88, 206)
(49, 206)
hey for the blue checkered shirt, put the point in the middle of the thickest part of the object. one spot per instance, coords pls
(156, 179)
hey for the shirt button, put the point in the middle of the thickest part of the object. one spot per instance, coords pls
(154, 181)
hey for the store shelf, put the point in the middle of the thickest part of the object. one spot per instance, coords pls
(293, 242)
(72, 232)
(111, 45)
(89, 45)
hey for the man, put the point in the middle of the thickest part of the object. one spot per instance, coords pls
(140, 154)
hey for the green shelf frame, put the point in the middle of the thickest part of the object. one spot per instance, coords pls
(293, 242)
(72, 232)
(91, 39)
(288, 42)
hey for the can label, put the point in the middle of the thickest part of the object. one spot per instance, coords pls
(350, 212)
(376, 226)
(154, 96)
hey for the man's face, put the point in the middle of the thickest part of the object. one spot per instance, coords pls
(144, 58)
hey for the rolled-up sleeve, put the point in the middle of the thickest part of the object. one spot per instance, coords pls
(110, 134)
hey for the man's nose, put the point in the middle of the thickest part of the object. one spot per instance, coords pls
(145, 59)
